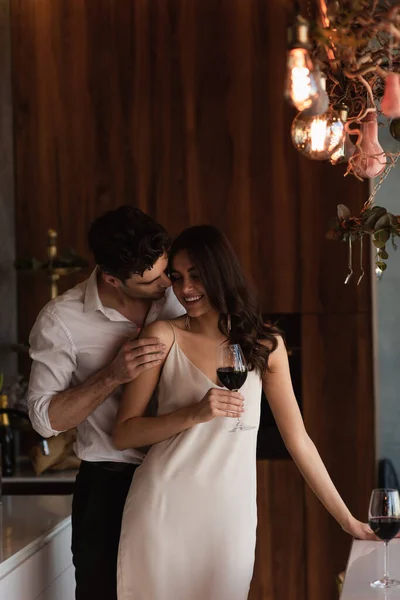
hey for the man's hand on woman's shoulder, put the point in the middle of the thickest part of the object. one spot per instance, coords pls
(134, 357)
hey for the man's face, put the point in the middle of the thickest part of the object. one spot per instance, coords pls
(151, 285)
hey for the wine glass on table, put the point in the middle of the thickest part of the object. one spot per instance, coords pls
(232, 373)
(384, 520)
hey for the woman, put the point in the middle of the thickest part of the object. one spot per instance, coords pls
(189, 525)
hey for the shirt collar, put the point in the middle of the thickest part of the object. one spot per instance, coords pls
(92, 301)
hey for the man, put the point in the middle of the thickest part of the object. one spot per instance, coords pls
(84, 348)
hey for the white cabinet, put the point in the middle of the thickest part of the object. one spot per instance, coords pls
(41, 568)
(63, 588)
(46, 574)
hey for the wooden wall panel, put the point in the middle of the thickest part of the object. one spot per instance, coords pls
(184, 118)
(339, 413)
(324, 262)
(280, 567)
(177, 107)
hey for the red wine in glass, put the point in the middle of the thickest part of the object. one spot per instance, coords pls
(230, 378)
(386, 528)
(384, 520)
(232, 373)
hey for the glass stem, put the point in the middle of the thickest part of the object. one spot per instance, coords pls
(239, 419)
(385, 563)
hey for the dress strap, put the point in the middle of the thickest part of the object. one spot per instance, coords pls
(173, 329)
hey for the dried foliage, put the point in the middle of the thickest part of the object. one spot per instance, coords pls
(357, 49)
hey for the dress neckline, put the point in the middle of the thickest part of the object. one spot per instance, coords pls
(176, 345)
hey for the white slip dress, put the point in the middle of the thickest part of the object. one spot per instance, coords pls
(189, 524)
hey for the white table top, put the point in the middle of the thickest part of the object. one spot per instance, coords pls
(365, 565)
(26, 522)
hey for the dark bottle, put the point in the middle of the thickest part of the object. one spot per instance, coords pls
(6, 441)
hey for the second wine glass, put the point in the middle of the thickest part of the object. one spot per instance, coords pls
(232, 373)
(384, 520)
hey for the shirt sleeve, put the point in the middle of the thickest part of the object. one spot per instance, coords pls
(54, 362)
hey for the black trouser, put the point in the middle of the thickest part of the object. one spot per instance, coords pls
(99, 498)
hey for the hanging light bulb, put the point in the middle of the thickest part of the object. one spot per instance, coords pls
(318, 137)
(346, 150)
(321, 104)
(302, 87)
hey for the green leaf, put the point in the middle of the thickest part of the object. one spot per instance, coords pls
(383, 254)
(343, 212)
(383, 221)
(382, 265)
(393, 220)
(381, 237)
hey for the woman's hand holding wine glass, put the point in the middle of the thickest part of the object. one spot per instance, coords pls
(218, 403)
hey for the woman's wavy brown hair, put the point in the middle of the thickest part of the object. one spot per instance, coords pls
(228, 292)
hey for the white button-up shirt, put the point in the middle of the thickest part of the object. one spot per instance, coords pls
(73, 337)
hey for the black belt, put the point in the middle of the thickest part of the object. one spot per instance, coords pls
(116, 467)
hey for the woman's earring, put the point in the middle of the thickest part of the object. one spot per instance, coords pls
(228, 324)
(187, 322)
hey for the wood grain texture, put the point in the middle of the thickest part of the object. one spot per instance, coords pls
(177, 107)
(338, 409)
(324, 262)
(184, 118)
(280, 567)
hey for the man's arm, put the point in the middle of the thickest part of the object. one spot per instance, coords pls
(53, 405)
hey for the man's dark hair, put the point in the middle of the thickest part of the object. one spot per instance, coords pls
(126, 241)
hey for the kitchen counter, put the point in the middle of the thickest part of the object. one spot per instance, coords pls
(26, 482)
(365, 564)
(35, 534)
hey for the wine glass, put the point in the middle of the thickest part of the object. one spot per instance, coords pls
(384, 520)
(232, 373)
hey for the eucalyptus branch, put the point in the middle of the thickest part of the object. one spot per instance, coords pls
(369, 91)
(390, 28)
(361, 72)
(381, 72)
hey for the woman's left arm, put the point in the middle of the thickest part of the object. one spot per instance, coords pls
(278, 389)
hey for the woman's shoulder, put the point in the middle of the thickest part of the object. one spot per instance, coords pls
(164, 330)
(278, 352)
(274, 342)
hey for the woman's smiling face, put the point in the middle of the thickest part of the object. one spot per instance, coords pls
(187, 285)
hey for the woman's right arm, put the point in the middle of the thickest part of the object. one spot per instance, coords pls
(134, 430)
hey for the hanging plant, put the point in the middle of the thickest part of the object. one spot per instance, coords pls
(373, 220)
(349, 50)
(377, 222)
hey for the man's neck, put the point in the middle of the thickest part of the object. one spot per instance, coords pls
(134, 309)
